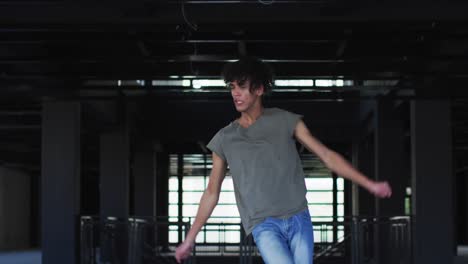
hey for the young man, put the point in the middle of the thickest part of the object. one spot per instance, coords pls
(266, 169)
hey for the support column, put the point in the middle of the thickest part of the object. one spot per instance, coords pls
(60, 182)
(162, 196)
(15, 208)
(363, 158)
(462, 207)
(114, 192)
(390, 158)
(144, 173)
(432, 182)
(366, 165)
(389, 166)
(114, 168)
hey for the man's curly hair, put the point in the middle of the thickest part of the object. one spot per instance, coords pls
(251, 69)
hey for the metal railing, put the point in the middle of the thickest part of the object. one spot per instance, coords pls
(355, 240)
(381, 240)
(134, 240)
(368, 240)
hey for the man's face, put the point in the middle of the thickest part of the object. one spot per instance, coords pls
(243, 98)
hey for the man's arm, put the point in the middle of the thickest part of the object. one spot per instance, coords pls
(208, 202)
(338, 164)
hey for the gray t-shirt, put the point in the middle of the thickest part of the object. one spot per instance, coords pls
(265, 166)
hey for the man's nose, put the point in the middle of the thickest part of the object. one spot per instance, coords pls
(235, 91)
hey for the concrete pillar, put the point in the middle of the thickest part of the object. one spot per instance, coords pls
(114, 193)
(115, 171)
(390, 157)
(389, 166)
(144, 175)
(60, 181)
(15, 206)
(365, 163)
(432, 182)
(363, 158)
(162, 197)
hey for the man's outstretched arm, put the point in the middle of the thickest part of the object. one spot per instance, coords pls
(208, 202)
(338, 164)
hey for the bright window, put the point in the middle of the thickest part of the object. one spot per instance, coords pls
(325, 195)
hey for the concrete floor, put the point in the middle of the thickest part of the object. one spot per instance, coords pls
(21, 257)
(34, 256)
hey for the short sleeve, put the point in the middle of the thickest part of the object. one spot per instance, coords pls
(216, 145)
(291, 121)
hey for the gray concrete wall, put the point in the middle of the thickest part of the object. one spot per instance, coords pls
(15, 210)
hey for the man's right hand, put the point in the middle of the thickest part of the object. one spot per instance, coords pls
(381, 189)
(184, 251)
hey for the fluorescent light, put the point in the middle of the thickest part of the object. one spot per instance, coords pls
(301, 83)
(186, 83)
(197, 84)
(328, 83)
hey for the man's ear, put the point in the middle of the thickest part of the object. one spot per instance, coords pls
(260, 90)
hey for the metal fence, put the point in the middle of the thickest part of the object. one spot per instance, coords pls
(132, 240)
(381, 240)
(140, 240)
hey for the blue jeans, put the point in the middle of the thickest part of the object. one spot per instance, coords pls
(286, 241)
